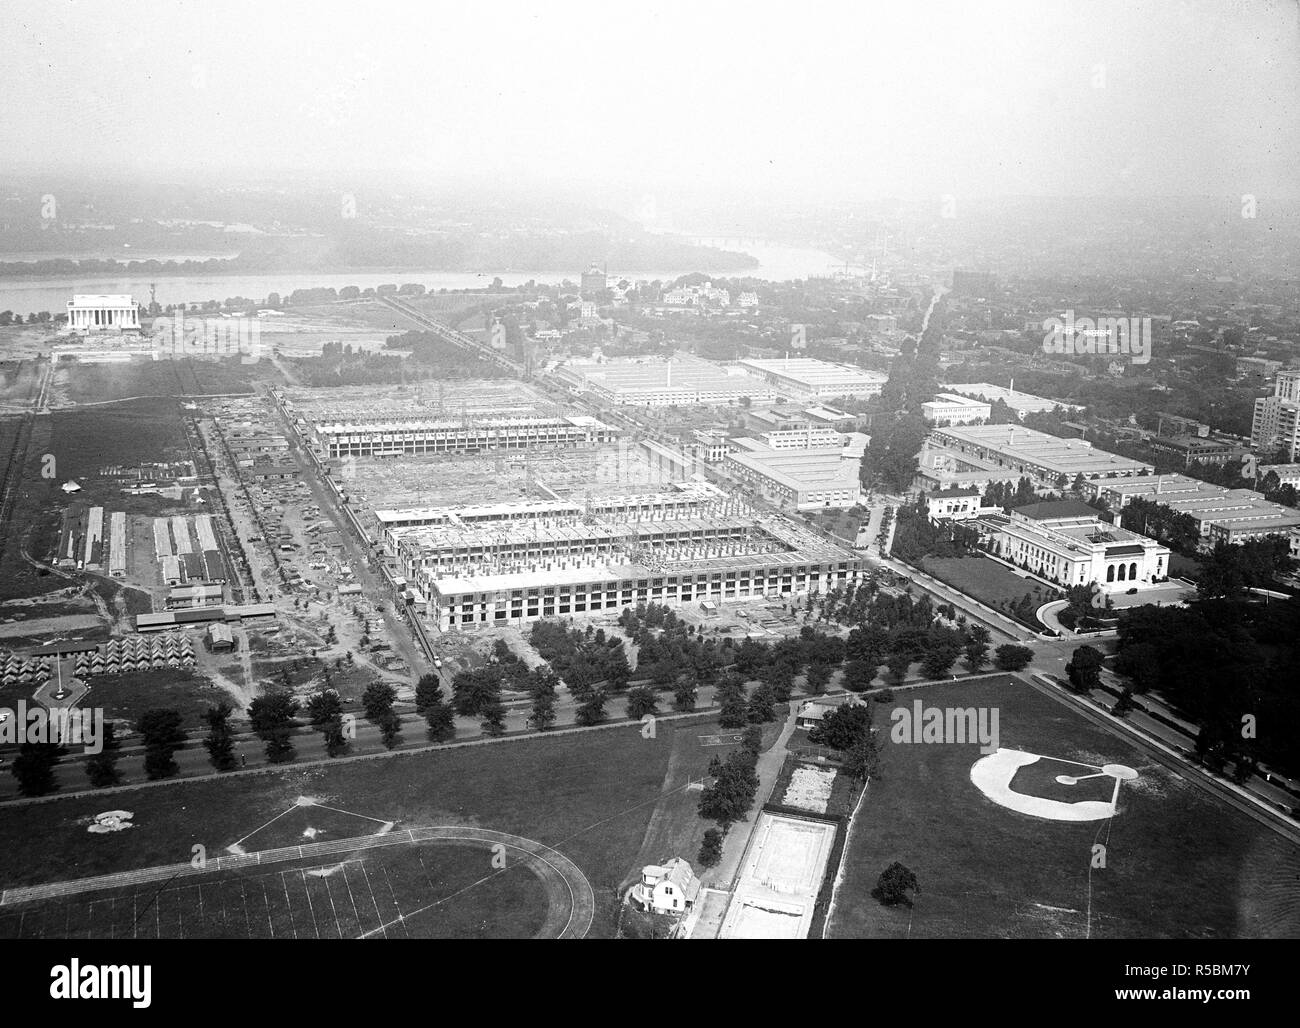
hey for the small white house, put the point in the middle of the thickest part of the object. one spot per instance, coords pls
(668, 888)
(813, 712)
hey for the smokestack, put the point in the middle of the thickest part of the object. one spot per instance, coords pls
(668, 384)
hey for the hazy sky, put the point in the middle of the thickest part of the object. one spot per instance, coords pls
(801, 99)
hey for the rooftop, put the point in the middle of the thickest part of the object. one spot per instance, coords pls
(1067, 457)
(811, 371)
(1051, 509)
(1013, 398)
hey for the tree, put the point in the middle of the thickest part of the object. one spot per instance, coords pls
(220, 740)
(473, 690)
(860, 759)
(859, 674)
(819, 675)
(711, 848)
(899, 661)
(938, 661)
(684, 693)
(390, 727)
(335, 741)
(731, 698)
(728, 797)
(1084, 669)
(843, 726)
(617, 670)
(101, 767)
(543, 713)
(163, 736)
(894, 884)
(592, 709)
(1010, 657)
(323, 706)
(977, 648)
(377, 700)
(641, 701)
(762, 705)
(494, 717)
(271, 718)
(34, 767)
(428, 691)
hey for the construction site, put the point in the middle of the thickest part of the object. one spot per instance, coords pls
(518, 563)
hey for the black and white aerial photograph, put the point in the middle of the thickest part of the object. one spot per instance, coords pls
(661, 472)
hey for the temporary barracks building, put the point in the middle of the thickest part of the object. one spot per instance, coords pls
(424, 436)
(117, 544)
(198, 595)
(275, 472)
(162, 621)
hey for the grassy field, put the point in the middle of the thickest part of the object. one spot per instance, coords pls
(128, 695)
(984, 579)
(589, 795)
(1178, 864)
(81, 442)
(95, 383)
(429, 892)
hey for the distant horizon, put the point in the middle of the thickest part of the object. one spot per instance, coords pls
(836, 100)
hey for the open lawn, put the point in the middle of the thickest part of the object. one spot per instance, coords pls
(126, 696)
(986, 580)
(1177, 863)
(95, 383)
(81, 442)
(589, 795)
(429, 891)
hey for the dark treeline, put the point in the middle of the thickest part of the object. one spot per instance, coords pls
(1230, 666)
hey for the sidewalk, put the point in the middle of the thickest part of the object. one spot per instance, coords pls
(723, 876)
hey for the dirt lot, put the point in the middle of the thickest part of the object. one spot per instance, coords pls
(433, 399)
(435, 481)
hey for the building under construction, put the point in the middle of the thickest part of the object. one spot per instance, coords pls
(426, 436)
(687, 500)
(539, 565)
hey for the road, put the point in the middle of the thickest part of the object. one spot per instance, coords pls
(1160, 751)
(359, 559)
(309, 745)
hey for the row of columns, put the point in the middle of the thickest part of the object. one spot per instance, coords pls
(103, 317)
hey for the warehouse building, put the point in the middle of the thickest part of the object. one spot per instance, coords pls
(1037, 455)
(951, 409)
(807, 438)
(680, 380)
(117, 544)
(197, 595)
(1021, 403)
(805, 378)
(421, 436)
(1222, 515)
(798, 480)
